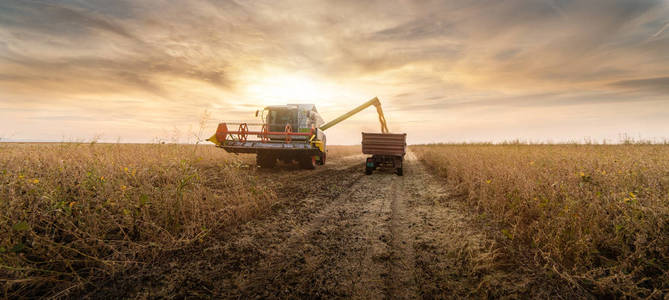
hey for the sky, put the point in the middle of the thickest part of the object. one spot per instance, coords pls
(445, 71)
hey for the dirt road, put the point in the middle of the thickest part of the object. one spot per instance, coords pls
(338, 233)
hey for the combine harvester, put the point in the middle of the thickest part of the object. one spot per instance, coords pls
(295, 132)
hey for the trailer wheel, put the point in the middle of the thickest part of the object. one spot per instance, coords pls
(400, 172)
(308, 162)
(265, 161)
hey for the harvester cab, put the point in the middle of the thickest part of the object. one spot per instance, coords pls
(300, 117)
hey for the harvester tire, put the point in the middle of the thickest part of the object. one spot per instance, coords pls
(400, 172)
(322, 160)
(265, 161)
(368, 171)
(308, 162)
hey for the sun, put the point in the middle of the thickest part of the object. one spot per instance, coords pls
(288, 88)
(285, 88)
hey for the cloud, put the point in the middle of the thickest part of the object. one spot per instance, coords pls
(657, 84)
(173, 59)
(71, 50)
(417, 29)
(58, 19)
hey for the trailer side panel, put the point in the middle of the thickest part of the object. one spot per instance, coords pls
(384, 143)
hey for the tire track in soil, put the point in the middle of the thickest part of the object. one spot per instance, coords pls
(244, 265)
(402, 283)
(329, 257)
(359, 246)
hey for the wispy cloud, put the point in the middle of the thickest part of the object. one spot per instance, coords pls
(653, 85)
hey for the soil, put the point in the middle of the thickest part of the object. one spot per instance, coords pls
(338, 233)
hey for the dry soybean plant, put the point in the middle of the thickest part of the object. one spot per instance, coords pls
(595, 215)
(72, 213)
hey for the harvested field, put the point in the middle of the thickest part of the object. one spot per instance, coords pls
(176, 221)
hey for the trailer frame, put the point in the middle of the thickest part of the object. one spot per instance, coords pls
(387, 150)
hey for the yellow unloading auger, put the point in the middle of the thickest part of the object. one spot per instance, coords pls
(292, 132)
(375, 101)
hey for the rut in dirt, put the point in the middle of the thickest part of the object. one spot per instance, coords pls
(346, 250)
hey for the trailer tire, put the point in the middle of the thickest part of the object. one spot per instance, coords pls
(265, 161)
(308, 162)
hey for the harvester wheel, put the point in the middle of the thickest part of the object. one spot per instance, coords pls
(368, 171)
(266, 161)
(400, 172)
(308, 162)
(322, 160)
